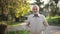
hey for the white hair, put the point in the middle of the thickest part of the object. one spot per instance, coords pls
(36, 6)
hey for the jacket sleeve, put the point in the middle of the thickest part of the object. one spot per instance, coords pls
(45, 22)
(27, 22)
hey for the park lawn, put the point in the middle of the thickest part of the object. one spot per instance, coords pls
(18, 32)
(13, 23)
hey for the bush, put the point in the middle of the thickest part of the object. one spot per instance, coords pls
(54, 21)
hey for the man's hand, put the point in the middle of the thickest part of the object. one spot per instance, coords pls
(28, 24)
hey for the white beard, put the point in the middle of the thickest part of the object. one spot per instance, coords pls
(36, 13)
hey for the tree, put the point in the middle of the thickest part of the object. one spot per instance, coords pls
(56, 1)
(15, 7)
(54, 9)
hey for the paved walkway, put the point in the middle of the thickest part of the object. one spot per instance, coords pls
(50, 30)
(57, 32)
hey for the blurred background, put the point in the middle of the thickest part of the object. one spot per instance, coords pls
(14, 12)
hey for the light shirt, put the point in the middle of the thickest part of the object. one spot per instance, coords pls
(37, 23)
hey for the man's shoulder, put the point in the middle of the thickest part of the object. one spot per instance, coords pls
(41, 15)
(30, 15)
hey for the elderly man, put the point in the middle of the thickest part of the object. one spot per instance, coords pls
(36, 22)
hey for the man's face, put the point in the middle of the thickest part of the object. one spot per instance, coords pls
(34, 9)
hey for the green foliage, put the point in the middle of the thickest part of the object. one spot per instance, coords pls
(13, 23)
(23, 19)
(54, 21)
(16, 7)
(18, 32)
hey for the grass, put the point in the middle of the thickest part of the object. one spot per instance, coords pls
(13, 23)
(10, 23)
(18, 32)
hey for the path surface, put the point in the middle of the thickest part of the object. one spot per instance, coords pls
(50, 30)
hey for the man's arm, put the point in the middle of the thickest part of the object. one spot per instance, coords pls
(45, 22)
(28, 22)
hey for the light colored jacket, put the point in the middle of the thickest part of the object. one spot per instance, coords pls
(37, 24)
